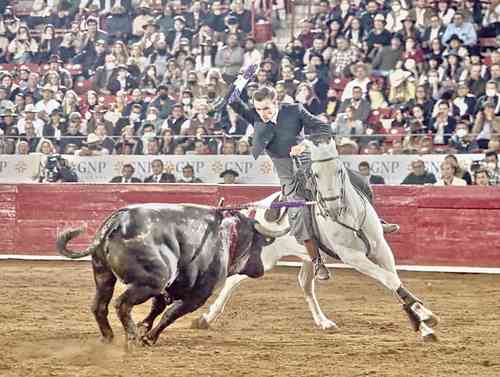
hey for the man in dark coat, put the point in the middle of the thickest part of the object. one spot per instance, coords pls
(127, 175)
(158, 175)
(278, 130)
(364, 170)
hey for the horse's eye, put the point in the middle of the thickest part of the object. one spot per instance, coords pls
(316, 175)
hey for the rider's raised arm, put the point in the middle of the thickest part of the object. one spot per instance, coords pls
(313, 125)
(241, 108)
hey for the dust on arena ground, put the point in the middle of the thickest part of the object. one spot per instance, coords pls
(46, 329)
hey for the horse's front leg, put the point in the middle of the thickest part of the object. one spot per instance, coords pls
(217, 307)
(306, 282)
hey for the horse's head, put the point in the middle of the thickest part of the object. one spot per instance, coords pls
(329, 174)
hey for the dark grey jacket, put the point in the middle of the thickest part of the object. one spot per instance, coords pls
(278, 139)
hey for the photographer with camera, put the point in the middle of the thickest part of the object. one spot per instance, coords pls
(57, 170)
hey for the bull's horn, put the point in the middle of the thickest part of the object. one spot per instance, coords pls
(270, 233)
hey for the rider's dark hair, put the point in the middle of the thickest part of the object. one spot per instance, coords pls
(364, 164)
(491, 153)
(263, 93)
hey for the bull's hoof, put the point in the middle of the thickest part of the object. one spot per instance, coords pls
(107, 340)
(200, 323)
(142, 329)
(328, 325)
(430, 338)
(144, 341)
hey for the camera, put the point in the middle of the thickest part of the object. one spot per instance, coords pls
(53, 168)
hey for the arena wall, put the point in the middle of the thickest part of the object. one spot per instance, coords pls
(441, 227)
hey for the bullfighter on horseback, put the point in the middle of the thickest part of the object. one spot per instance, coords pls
(279, 130)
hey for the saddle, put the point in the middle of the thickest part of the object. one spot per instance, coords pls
(275, 215)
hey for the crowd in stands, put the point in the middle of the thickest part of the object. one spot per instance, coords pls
(151, 77)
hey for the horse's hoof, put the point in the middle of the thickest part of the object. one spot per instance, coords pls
(430, 338)
(200, 323)
(328, 325)
(107, 340)
(432, 321)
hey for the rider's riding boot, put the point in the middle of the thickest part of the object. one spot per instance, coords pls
(389, 228)
(320, 270)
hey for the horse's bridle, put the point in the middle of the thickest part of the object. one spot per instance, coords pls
(320, 197)
(321, 200)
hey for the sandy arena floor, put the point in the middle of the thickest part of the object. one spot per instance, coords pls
(46, 329)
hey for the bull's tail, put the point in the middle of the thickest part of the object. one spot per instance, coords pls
(68, 235)
(108, 226)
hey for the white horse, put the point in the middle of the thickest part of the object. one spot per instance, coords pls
(344, 218)
(271, 254)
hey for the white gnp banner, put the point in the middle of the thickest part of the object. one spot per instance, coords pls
(394, 168)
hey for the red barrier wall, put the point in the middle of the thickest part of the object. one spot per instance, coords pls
(440, 226)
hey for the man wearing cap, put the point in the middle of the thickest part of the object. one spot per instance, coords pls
(229, 176)
(179, 31)
(55, 126)
(8, 119)
(29, 114)
(144, 16)
(379, 36)
(47, 104)
(55, 65)
(464, 30)
(162, 102)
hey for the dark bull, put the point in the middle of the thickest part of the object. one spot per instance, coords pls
(175, 254)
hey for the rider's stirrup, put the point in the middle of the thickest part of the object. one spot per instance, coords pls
(321, 272)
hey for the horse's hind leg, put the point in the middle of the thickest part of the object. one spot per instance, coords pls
(105, 284)
(420, 317)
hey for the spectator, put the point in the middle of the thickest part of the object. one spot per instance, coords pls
(128, 171)
(486, 125)
(307, 97)
(378, 37)
(361, 79)
(491, 159)
(188, 175)
(443, 125)
(364, 170)
(482, 177)
(461, 140)
(464, 30)
(229, 58)
(347, 125)
(342, 57)
(361, 107)
(419, 176)
(229, 176)
(448, 178)
(459, 171)
(159, 176)
(433, 31)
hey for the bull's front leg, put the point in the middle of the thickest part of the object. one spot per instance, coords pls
(216, 309)
(178, 309)
(160, 302)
